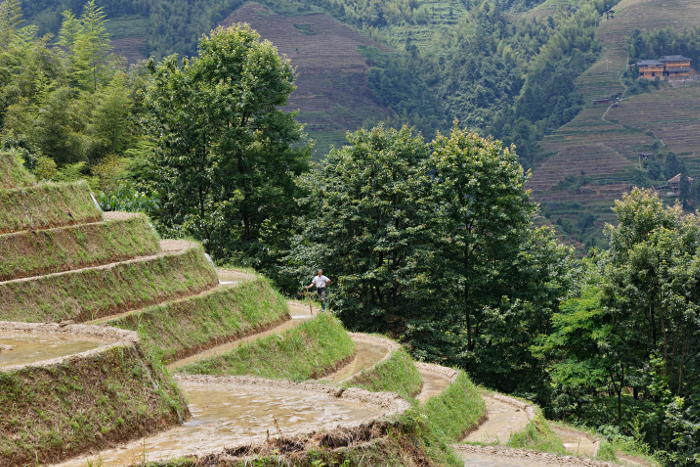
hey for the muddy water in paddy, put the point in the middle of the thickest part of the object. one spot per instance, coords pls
(504, 419)
(433, 385)
(33, 348)
(224, 418)
(367, 355)
(576, 443)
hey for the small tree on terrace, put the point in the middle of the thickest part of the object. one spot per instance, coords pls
(227, 155)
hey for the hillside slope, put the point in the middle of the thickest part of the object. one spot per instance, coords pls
(332, 93)
(603, 142)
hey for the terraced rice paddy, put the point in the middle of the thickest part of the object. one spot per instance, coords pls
(332, 93)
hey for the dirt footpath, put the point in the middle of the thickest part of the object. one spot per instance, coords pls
(499, 456)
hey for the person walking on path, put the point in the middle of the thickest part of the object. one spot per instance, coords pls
(320, 281)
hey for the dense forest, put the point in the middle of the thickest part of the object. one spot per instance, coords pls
(428, 237)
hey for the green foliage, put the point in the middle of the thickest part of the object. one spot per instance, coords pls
(435, 249)
(226, 155)
(305, 352)
(396, 374)
(130, 199)
(366, 225)
(87, 43)
(621, 351)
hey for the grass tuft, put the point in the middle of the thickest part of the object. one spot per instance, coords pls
(89, 294)
(537, 436)
(26, 208)
(179, 329)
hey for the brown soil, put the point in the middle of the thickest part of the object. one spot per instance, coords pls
(119, 215)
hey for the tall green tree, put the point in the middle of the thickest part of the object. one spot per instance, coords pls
(227, 156)
(628, 342)
(367, 227)
(87, 42)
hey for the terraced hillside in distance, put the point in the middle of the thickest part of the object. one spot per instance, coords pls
(332, 93)
(602, 144)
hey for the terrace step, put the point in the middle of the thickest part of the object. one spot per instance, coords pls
(181, 269)
(27, 208)
(121, 237)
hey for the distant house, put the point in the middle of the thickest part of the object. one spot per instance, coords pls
(650, 69)
(676, 67)
(668, 67)
(675, 184)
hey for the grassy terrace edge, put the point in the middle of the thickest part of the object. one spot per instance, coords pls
(56, 412)
(396, 373)
(27, 254)
(28, 209)
(314, 348)
(176, 330)
(97, 292)
(12, 172)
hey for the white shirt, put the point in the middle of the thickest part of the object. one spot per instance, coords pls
(320, 281)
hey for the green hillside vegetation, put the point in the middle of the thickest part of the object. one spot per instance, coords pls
(88, 294)
(12, 172)
(76, 247)
(179, 329)
(311, 350)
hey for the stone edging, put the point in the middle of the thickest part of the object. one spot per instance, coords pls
(528, 408)
(115, 337)
(437, 370)
(541, 458)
